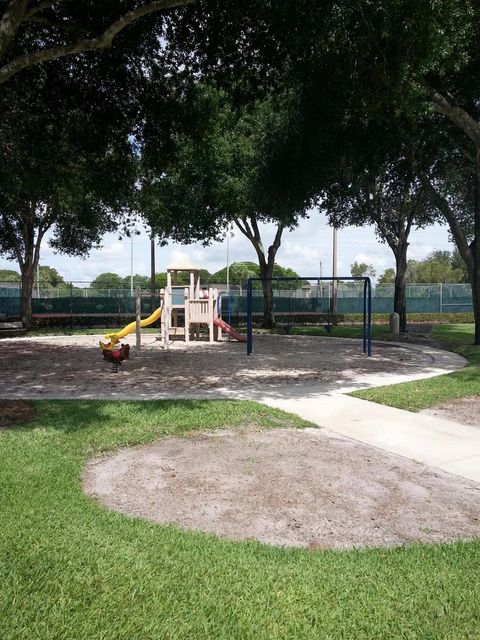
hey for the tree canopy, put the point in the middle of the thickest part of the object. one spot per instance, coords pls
(220, 175)
(361, 270)
(386, 194)
(10, 275)
(37, 31)
(107, 280)
(48, 277)
(67, 165)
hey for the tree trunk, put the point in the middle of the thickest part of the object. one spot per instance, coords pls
(28, 266)
(251, 231)
(470, 252)
(266, 272)
(400, 298)
(28, 274)
(476, 305)
(475, 252)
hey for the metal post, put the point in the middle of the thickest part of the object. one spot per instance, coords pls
(364, 327)
(166, 315)
(249, 317)
(369, 317)
(441, 297)
(138, 318)
(228, 262)
(334, 273)
(71, 305)
(131, 266)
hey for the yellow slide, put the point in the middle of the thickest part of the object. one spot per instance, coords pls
(115, 337)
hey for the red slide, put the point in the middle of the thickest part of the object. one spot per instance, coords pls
(218, 322)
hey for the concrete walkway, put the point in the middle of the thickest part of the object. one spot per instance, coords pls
(439, 443)
(434, 441)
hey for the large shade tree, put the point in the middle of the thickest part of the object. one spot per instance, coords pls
(67, 167)
(67, 128)
(412, 70)
(391, 198)
(386, 67)
(220, 176)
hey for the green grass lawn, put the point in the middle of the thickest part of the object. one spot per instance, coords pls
(422, 394)
(70, 569)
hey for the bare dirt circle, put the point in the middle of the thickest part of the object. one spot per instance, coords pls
(288, 487)
(463, 410)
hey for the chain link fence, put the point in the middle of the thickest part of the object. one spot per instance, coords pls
(79, 299)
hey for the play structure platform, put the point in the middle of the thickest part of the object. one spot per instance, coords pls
(189, 307)
(184, 310)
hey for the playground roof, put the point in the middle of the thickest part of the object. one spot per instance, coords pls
(183, 264)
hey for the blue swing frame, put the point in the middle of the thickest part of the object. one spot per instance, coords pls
(367, 306)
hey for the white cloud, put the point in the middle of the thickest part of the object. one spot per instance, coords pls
(379, 262)
(302, 249)
(420, 250)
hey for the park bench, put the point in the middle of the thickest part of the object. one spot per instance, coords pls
(328, 320)
(419, 332)
(10, 329)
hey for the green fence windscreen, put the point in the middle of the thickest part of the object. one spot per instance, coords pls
(310, 298)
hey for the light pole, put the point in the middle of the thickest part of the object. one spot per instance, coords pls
(131, 265)
(334, 272)
(228, 262)
(152, 270)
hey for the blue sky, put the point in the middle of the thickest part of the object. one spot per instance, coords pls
(303, 250)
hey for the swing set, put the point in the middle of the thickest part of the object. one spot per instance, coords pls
(366, 305)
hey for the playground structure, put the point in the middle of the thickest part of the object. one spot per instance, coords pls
(182, 312)
(189, 307)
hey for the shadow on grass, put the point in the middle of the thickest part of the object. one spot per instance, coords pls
(15, 414)
(106, 424)
(71, 416)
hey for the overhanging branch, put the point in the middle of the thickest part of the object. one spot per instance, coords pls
(457, 115)
(9, 23)
(103, 41)
(41, 6)
(245, 229)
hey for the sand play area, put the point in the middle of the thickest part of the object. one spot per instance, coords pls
(73, 367)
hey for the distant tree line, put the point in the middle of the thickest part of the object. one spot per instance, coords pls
(438, 266)
(48, 277)
(239, 272)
